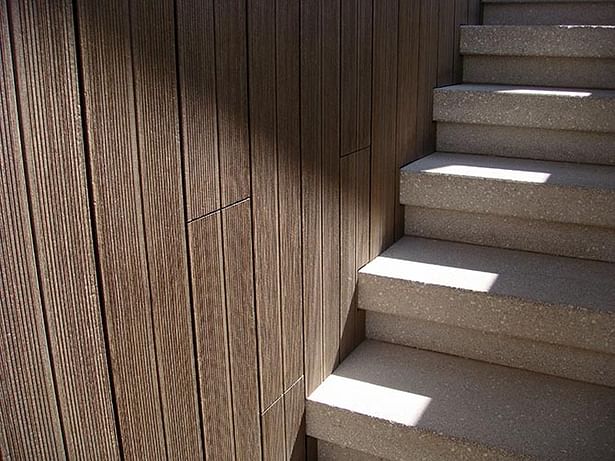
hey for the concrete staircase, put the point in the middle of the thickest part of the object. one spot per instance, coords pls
(491, 324)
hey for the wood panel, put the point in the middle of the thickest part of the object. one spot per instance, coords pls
(311, 182)
(30, 427)
(428, 74)
(114, 163)
(232, 99)
(289, 177)
(274, 433)
(208, 287)
(46, 74)
(199, 111)
(238, 278)
(262, 35)
(446, 42)
(356, 74)
(294, 405)
(461, 17)
(153, 43)
(330, 200)
(384, 172)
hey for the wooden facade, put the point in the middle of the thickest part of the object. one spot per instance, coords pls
(188, 189)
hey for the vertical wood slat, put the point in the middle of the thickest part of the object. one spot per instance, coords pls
(289, 175)
(154, 60)
(262, 66)
(407, 91)
(330, 177)
(356, 68)
(354, 243)
(446, 43)
(311, 166)
(46, 73)
(197, 82)
(274, 443)
(232, 93)
(205, 236)
(427, 81)
(294, 405)
(384, 171)
(29, 420)
(238, 277)
(104, 32)
(474, 11)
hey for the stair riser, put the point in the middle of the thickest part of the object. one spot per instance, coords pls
(516, 107)
(532, 143)
(591, 207)
(489, 313)
(539, 71)
(332, 452)
(548, 13)
(566, 362)
(390, 440)
(597, 243)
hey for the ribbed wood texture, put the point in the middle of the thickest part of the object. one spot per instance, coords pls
(188, 191)
(30, 426)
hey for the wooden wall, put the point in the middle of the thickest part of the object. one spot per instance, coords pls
(188, 189)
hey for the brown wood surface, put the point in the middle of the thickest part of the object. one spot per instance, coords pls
(46, 75)
(199, 109)
(30, 427)
(238, 279)
(189, 191)
(210, 313)
(114, 163)
(163, 213)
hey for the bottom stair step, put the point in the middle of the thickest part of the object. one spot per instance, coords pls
(399, 403)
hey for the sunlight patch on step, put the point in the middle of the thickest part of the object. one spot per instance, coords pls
(537, 177)
(372, 399)
(543, 92)
(433, 274)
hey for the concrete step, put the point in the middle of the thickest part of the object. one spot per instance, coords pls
(527, 304)
(400, 403)
(557, 56)
(598, 243)
(534, 143)
(332, 452)
(548, 12)
(528, 189)
(526, 106)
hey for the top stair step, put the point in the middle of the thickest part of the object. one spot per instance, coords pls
(513, 12)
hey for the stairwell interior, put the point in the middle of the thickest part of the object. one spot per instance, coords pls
(491, 325)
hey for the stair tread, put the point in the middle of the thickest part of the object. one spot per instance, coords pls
(554, 280)
(568, 41)
(529, 90)
(515, 170)
(418, 398)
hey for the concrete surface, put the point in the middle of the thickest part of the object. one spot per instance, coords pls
(405, 404)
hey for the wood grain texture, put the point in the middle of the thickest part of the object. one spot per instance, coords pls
(407, 91)
(461, 17)
(274, 433)
(104, 31)
(262, 65)
(238, 277)
(29, 427)
(205, 238)
(311, 182)
(474, 11)
(428, 74)
(199, 111)
(289, 178)
(330, 201)
(356, 69)
(294, 405)
(46, 74)
(446, 42)
(384, 171)
(163, 213)
(232, 93)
